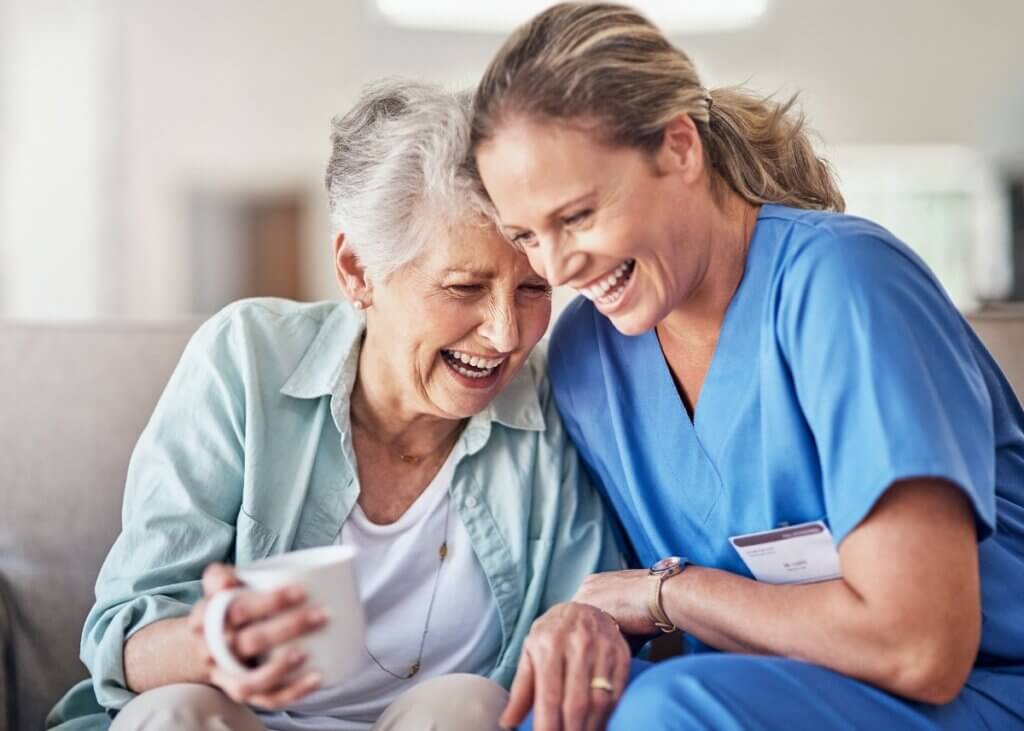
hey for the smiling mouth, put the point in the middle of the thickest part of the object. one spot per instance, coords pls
(472, 366)
(609, 289)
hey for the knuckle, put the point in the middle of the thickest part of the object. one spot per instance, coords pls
(237, 614)
(303, 621)
(581, 641)
(551, 698)
(236, 692)
(249, 643)
(575, 709)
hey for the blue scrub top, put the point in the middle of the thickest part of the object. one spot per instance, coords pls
(842, 366)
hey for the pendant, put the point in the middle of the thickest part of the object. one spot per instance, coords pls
(413, 670)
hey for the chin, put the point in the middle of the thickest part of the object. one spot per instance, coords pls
(632, 323)
(465, 405)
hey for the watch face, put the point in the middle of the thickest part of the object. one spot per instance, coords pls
(666, 564)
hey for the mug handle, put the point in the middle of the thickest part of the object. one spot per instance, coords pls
(213, 631)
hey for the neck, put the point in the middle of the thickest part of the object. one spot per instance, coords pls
(379, 408)
(727, 242)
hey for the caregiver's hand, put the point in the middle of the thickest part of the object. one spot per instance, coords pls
(623, 595)
(567, 647)
(257, 625)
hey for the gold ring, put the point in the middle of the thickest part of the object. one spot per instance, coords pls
(599, 682)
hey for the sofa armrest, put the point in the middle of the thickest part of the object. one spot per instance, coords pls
(7, 689)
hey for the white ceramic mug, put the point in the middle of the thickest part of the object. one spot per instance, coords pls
(328, 576)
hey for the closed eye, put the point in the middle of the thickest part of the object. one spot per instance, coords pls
(465, 290)
(524, 240)
(536, 289)
(578, 217)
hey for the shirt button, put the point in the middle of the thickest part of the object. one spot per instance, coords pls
(471, 502)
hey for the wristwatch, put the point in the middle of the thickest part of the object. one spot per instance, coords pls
(666, 568)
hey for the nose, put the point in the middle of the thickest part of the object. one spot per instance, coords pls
(559, 260)
(500, 326)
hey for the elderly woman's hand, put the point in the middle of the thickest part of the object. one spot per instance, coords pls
(258, 625)
(570, 649)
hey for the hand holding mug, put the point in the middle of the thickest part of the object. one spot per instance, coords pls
(258, 627)
(278, 628)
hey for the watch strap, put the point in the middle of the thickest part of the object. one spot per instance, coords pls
(654, 608)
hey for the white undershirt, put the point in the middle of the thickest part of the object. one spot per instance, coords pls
(396, 568)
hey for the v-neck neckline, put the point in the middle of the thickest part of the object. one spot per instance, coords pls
(724, 331)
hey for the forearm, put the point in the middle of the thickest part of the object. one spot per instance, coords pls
(163, 653)
(828, 624)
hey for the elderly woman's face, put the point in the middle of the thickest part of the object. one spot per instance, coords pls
(464, 316)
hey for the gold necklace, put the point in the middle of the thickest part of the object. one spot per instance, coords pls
(413, 459)
(442, 553)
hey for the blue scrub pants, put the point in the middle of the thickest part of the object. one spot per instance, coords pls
(731, 692)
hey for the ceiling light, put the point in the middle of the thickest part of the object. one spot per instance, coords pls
(672, 16)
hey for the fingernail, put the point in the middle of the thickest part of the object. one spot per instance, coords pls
(314, 678)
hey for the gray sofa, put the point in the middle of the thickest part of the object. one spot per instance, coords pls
(73, 400)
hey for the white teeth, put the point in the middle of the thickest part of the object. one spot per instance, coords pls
(473, 374)
(486, 364)
(606, 285)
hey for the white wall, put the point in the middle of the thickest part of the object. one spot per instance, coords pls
(55, 157)
(238, 95)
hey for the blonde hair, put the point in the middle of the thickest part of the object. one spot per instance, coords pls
(608, 63)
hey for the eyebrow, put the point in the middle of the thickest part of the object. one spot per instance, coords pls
(474, 271)
(482, 273)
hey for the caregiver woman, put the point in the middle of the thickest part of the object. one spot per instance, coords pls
(746, 357)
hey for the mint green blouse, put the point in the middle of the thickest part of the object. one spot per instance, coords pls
(249, 454)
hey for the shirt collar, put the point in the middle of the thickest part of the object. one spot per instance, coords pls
(328, 368)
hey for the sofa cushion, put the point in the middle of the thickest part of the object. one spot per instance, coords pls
(1002, 330)
(75, 399)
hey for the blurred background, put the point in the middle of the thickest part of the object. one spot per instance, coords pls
(159, 159)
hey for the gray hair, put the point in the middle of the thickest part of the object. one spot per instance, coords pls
(397, 174)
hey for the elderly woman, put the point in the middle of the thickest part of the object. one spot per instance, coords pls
(815, 456)
(414, 416)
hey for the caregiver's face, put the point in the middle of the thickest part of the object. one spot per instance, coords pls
(460, 320)
(607, 221)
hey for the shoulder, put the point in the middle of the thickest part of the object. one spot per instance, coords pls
(574, 347)
(827, 261)
(575, 326)
(265, 343)
(267, 317)
(839, 247)
(266, 326)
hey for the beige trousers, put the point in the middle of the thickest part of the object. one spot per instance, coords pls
(455, 702)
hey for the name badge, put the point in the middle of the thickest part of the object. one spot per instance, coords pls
(796, 554)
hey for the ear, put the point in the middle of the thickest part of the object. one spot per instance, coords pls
(350, 274)
(682, 150)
